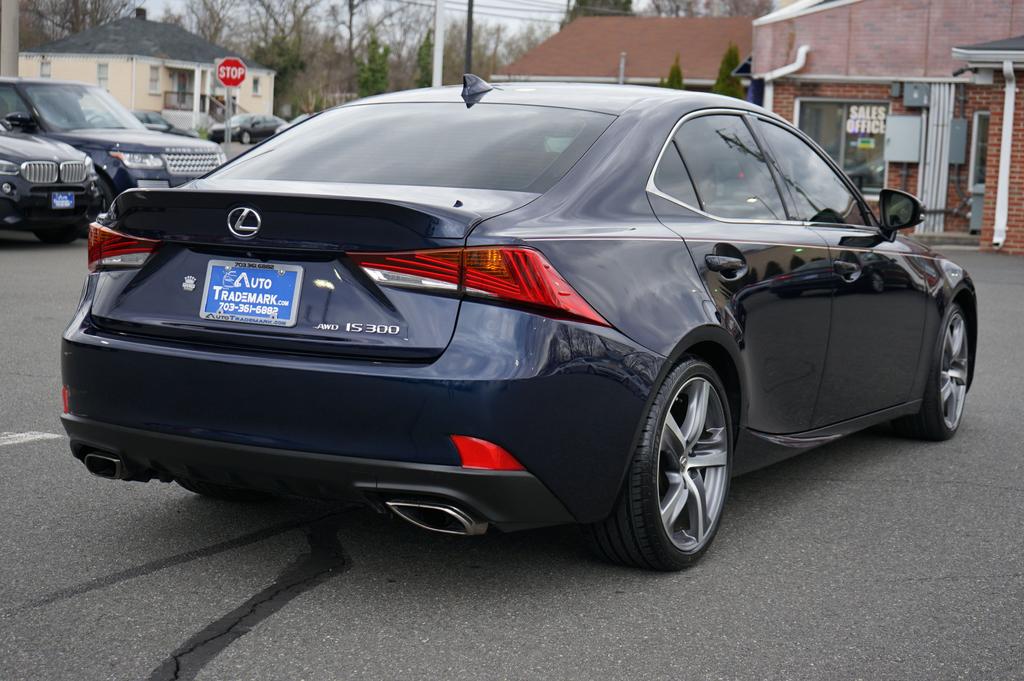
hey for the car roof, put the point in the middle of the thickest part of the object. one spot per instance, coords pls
(606, 98)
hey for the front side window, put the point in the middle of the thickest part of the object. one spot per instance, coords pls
(729, 170)
(817, 193)
(11, 101)
(489, 146)
(853, 134)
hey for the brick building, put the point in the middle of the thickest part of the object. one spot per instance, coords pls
(908, 94)
(635, 50)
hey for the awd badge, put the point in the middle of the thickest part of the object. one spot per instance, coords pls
(189, 283)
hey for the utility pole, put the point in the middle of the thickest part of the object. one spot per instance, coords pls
(469, 37)
(438, 43)
(9, 38)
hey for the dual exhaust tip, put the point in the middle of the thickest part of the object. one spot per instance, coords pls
(437, 516)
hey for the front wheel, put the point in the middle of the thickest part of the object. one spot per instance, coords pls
(670, 507)
(946, 391)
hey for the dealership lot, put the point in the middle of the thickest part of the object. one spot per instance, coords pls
(872, 558)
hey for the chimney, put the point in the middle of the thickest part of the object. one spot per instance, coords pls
(140, 13)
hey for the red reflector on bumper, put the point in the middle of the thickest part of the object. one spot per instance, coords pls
(65, 394)
(477, 453)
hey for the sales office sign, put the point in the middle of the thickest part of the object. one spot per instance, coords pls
(866, 119)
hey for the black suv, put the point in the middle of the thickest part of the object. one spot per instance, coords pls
(126, 154)
(46, 186)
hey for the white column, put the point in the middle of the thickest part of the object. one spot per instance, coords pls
(9, 38)
(1005, 146)
(197, 80)
(438, 43)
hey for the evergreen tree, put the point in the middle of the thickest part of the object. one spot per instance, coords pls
(675, 77)
(726, 83)
(373, 72)
(425, 61)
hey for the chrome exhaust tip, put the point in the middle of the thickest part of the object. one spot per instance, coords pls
(104, 466)
(437, 517)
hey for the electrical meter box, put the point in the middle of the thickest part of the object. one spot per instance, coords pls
(958, 141)
(916, 94)
(903, 139)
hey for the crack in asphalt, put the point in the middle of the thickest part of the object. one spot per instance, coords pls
(163, 563)
(326, 559)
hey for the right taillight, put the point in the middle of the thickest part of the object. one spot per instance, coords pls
(510, 274)
(112, 250)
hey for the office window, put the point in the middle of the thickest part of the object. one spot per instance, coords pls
(102, 75)
(979, 148)
(853, 134)
(256, 86)
(154, 80)
(44, 69)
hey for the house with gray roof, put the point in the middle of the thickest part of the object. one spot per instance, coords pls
(152, 66)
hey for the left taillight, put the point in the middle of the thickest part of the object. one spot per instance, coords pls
(112, 250)
(513, 275)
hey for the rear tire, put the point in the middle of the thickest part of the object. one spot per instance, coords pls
(246, 137)
(57, 235)
(671, 503)
(223, 492)
(945, 394)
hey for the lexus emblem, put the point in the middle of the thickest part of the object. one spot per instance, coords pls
(244, 222)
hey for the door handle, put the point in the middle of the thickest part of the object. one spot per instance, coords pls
(847, 271)
(726, 264)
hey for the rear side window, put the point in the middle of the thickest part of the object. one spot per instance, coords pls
(729, 170)
(488, 146)
(817, 193)
(672, 178)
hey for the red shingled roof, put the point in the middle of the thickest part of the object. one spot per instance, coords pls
(589, 48)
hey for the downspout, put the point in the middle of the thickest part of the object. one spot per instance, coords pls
(796, 65)
(1005, 146)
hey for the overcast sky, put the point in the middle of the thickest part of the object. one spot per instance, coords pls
(512, 12)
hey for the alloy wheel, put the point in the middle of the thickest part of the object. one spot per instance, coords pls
(693, 464)
(953, 371)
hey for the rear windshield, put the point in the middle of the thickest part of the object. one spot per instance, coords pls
(489, 146)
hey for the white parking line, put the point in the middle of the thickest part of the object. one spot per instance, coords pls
(30, 436)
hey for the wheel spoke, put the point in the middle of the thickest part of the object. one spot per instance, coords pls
(957, 374)
(672, 437)
(675, 500)
(696, 413)
(697, 505)
(957, 336)
(711, 451)
(946, 391)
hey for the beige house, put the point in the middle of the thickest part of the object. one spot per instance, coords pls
(152, 66)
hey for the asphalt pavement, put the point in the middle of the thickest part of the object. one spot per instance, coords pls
(871, 558)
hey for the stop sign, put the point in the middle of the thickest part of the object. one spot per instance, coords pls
(231, 71)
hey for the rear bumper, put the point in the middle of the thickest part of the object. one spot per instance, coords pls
(508, 499)
(565, 399)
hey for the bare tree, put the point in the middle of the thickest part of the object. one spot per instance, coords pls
(52, 19)
(711, 8)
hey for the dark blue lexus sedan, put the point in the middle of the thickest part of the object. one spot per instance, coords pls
(512, 307)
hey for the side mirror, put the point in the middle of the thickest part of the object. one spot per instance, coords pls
(899, 210)
(20, 119)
